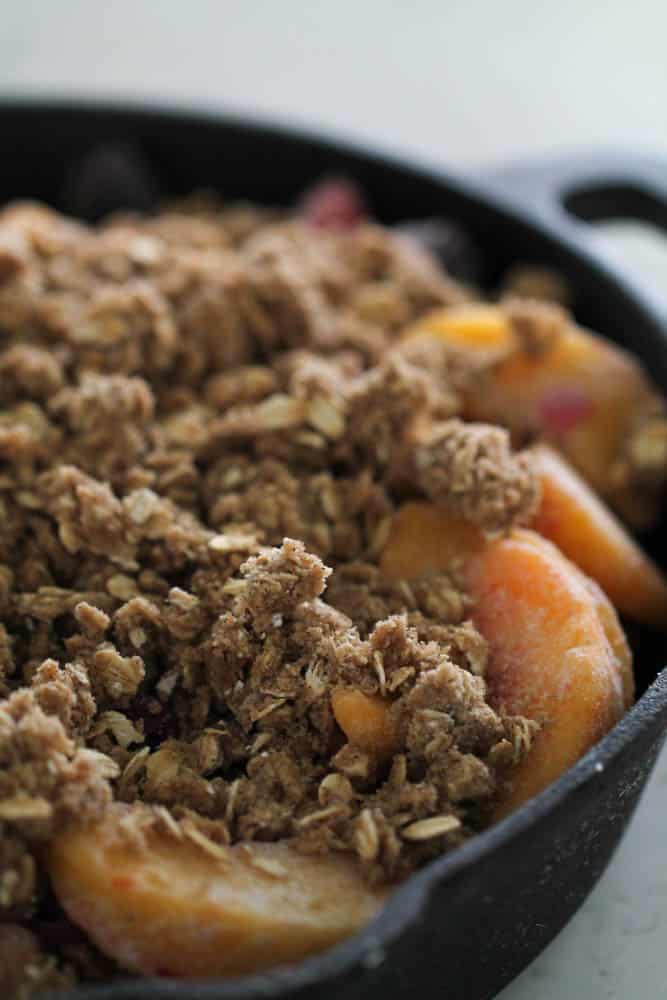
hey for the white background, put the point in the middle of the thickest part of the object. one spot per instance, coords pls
(468, 83)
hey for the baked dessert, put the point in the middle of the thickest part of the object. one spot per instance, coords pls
(309, 571)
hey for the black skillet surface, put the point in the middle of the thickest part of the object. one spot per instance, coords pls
(469, 922)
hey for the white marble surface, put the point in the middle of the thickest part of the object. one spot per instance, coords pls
(469, 82)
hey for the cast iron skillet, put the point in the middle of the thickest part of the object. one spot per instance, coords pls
(469, 922)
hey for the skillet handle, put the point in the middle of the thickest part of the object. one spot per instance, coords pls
(568, 191)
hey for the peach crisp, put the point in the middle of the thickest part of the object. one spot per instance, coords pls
(311, 566)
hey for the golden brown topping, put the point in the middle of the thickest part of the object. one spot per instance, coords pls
(537, 324)
(532, 282)
(25, 970)
(471, 468)
(208, 421)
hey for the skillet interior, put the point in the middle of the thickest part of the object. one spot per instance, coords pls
(469, 922)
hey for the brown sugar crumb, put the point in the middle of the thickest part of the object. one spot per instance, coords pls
(65, 693)
(249, 384)
(26, 970)
(366, 596)
(45, 780)
(382, 406)
(29, 372)
(528, 281)
(639, 475)
(106, 417)
(472, 469)
(275, 583)
(88, 514)
(13, 254)
(536, 323)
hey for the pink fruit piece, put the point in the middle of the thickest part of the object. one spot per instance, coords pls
(334, 203)
(563, 409)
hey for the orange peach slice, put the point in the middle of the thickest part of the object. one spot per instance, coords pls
(173, 909)
(367, 721)
(473, 326)
(557, 653)
(424, 538)
(550, 658)
(586, 531)
(581, 393)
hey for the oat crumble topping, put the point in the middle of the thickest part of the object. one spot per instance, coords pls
(207, 421)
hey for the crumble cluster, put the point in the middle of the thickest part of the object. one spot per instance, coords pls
(206, 424)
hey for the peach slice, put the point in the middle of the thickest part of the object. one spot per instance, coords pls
(616, 638)
(550, 658)
(424, 538)
(581, 393)
(557, 653)
(174, 909)
(367, 721)
(473, 326)
(587, 532)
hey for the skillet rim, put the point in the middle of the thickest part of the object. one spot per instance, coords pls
(408, 900)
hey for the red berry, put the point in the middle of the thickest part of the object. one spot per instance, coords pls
(564, 408)
(333, 204)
